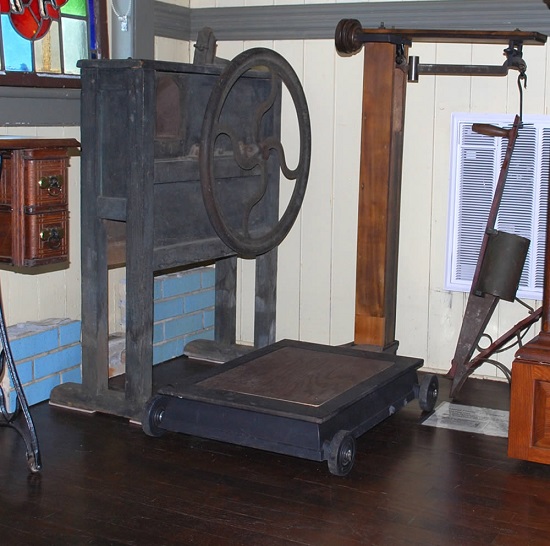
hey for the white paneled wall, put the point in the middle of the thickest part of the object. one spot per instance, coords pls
(316, 289)
(168, 49)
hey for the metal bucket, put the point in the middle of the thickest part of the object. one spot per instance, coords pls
(502, 265)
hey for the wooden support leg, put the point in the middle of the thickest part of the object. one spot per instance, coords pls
(265, 299)
(384, 87)
(224, 347)
(225, 318)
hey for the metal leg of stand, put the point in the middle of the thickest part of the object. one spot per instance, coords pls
(20, 419)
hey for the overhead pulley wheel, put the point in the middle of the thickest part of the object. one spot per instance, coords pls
(254, 148)
(347, 36)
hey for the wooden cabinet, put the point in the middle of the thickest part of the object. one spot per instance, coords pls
(34, 216)
(529, 430)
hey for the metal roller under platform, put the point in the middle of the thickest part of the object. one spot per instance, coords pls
(296, 398)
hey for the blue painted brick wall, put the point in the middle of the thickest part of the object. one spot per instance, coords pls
(48, 353)
(184, 310)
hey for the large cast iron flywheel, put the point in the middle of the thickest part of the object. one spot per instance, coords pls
(248, 236)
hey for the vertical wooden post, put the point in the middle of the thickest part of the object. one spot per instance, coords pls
(265, 301)
(384, 87)
(225, 317)
(140, 216)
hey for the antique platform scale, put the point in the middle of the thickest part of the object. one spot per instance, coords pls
(181, 165)
(498, 267)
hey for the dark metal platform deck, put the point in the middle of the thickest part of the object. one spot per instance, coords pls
(291, 397)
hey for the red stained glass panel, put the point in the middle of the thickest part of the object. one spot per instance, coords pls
(46, 36)
(29, 25)
(34, 21)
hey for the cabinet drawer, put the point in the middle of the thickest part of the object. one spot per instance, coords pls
(6, 189)
(6, 234)
(45, 179)
(46, 238)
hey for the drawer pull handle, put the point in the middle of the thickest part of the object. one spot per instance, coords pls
(52, 236)
(52, 183)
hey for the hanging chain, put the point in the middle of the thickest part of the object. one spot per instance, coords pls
(123, 18)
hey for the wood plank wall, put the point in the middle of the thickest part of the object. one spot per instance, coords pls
(317, 260)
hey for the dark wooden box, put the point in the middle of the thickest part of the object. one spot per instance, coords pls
(34, 216)
(142, 206)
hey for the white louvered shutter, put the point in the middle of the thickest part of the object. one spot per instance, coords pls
(475, 168)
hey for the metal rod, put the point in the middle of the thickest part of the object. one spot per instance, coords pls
(462, 70)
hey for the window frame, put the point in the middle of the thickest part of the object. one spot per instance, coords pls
(60, 106)
(47, 81)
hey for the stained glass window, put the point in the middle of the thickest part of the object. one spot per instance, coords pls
(46, 37)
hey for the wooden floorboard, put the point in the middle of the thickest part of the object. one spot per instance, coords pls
(105, 482)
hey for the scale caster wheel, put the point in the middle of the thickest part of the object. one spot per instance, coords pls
(428, 391)
(152, 416)
(341, 453)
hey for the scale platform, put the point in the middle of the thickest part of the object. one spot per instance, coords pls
(301, 399)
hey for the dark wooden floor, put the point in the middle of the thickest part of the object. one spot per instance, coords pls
(105, 482)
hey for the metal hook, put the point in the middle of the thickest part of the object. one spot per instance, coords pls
(522, 77)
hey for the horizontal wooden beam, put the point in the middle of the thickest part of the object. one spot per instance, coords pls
(458, 36)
